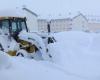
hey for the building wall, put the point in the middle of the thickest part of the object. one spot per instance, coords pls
(59, 25)
(56, 25)
(31, 21)
(42, 25)
(79, 24)
(94, 27)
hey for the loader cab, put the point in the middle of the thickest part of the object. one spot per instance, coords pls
(13, 25)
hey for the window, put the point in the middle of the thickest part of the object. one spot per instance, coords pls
(23, 25)
(18, 25)
(14, 27)
(5, 26)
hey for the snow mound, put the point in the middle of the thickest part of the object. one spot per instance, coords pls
(4, 60)
(77, 53)
(95, 45)
(28, 69)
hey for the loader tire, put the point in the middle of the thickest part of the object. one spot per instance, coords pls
(1, 47)
(22, 53)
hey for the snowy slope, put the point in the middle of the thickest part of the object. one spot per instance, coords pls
(28, 69)
(4, 60)
(75, 56)
(77, 53)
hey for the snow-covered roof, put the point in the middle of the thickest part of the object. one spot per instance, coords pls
(80, 14)
(89, 18)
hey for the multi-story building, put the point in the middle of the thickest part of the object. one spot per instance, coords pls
(42, 25)
(31, 19)
(80, 23)
(94, 23)
(77, 23)
(86, 23)
(58, 25)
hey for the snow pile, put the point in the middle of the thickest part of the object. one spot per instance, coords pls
(95, 45)
(4, 42)
(77, 53)
(4, 60)
(28, 69)
(13, 45)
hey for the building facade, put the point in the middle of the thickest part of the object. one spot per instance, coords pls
(94, 27)
(77, 23)
(94, 23)
(42, 25)
(58, 25)
(31, 20)
(80, 23)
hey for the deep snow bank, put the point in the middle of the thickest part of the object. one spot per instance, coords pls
(4, 60)
(77, 53)
(28, 69)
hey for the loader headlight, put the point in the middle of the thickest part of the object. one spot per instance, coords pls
(12, 53)
(24, 43)
(30, 48)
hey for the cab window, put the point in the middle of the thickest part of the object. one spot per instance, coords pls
(14, 27)
(5, 26)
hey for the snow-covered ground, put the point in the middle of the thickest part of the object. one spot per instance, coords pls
(75, 56)
(78, 53)
(28, 69)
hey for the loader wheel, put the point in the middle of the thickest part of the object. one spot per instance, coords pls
(22, 53)
(1, 47)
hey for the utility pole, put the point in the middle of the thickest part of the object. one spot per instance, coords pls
(48, 27)
(49, 30)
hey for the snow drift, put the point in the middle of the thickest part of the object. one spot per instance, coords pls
(77, 53)
(28, 69)
(4, 60)
(75, 56)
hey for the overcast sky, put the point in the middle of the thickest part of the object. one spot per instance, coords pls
(55, 8)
